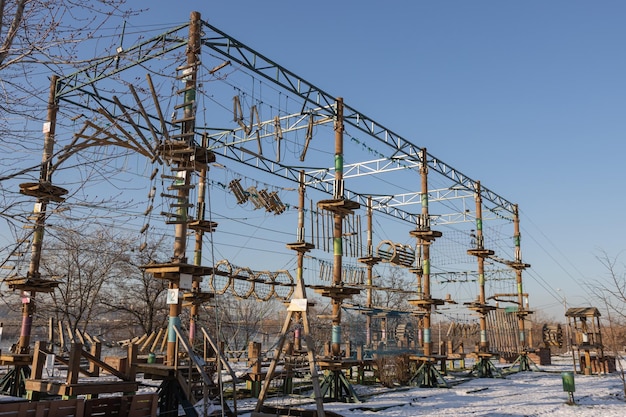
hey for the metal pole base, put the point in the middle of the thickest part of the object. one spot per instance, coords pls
(485, 369)
(428, 376)
(335, 387)
(12, 383)
(523, 364)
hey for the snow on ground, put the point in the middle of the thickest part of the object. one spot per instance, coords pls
(525, 394)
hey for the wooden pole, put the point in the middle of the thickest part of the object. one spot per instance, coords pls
(370, 273)
(425, 244)
(337, 231)
(28, 299)
(484, 343)
(519, 266)
(199, 234)
(180, 238)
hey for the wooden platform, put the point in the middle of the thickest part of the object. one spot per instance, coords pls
(340, 206)
(300, 246)
(370, 260)
(480, 308)
(336, 292)
(172, 270)
(205, 226)
(481, 253)
(44, 191)
(425, 234)
(426, 302)
(31, 284)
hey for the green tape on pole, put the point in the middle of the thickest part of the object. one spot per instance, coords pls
(479, 224)
(339, 163)
(424, 200)
(337, 246)
(171, 333)
(336, 334)
(481, 279)
(426, 266)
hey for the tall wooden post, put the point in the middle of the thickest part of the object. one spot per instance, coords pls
(337, 292)
(180, 228)
(481, 253)
(45, 192)
(337, 231)
(483, 368)
(369, 260)
(427, 375)
(519, 266)
(195, 298)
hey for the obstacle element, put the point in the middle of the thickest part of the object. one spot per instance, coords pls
(245, 282)
(586, 340)
(552, 335)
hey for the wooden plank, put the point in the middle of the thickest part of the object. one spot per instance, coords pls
(103, 407)
(66, 408)
(144, 405)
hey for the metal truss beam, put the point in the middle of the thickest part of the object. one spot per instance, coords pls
(401, 148)
(121, 61)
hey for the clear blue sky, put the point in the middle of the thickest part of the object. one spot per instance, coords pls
(527, 97)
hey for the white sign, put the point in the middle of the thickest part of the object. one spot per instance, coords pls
(298, 304)
(172, 296)
(185, 281)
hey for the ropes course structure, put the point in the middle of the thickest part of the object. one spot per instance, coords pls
(237, 113)
(245, 283)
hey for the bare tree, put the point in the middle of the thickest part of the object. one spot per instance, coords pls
(38, 35)
(84, 263)
(136, 299)
(238, 321)
(611, 291)
(39, 38)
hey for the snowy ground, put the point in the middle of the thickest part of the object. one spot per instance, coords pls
(523, 394)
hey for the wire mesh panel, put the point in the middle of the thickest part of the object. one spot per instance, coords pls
(264, 285)
(283, 285)
(243, 282)
(221, 279)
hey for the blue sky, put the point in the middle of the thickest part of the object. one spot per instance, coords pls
(527, 97)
